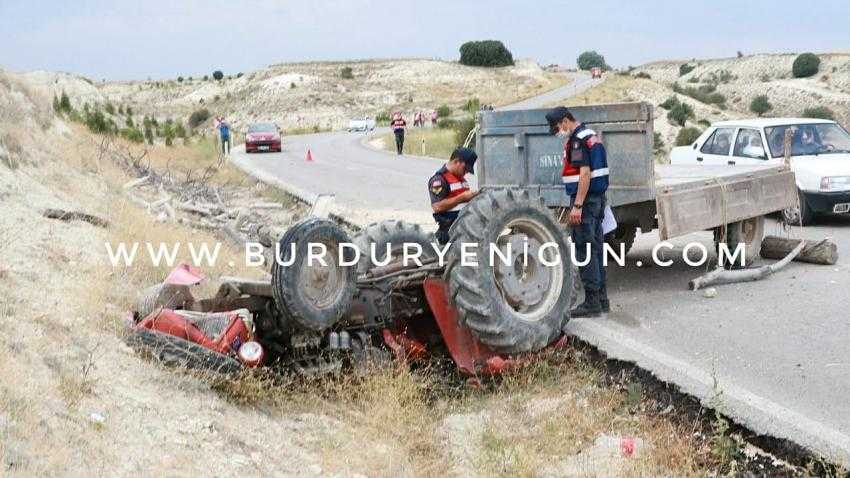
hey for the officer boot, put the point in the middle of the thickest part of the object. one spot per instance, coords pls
(590, 307)
(604, 304)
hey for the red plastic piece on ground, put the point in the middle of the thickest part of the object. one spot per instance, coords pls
(309, 155)
(170, 322)
(184, 274)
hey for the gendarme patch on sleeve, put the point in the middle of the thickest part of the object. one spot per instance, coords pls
(436, 187)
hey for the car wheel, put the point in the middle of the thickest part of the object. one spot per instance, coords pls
(799, 216)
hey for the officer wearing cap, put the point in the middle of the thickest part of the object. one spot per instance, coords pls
(585, 177)
(449, 190)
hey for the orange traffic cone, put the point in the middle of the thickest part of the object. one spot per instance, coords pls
(309, 154)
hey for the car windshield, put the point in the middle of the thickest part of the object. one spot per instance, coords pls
(262, 128)
(808, 139)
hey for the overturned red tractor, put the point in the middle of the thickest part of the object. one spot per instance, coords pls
(506, 293)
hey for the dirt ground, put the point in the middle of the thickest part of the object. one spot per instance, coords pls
(74, 400)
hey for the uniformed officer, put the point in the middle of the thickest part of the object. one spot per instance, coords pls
(585, 177)
(449, 190)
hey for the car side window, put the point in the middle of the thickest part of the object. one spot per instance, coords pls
(748, 144)
(719, 142)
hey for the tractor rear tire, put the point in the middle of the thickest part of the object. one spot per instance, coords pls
(176, 352)
(395, 233)
(521, 307)
(314, 297)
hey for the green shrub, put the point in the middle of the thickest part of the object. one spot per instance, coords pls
(444, 111)
(490, 53)
(382, 118)
(133, 134)
(129, 122)
(591, 59)
(96, 122)
(180, 130)
(239, 75)
(760, 105)
(657, 142)
(821, 112)
(805, 65)
(704, 93)
(643, 74)
(472, 105)
(109, 108)
(704, 122)
(462, 128)
(680, 114)
(64, 103)
(685, 68)
(292, 85)
(179, 79)
(346, 73)
(148, 133)
(446, 123)
(206, 77)
(198, 117)
(218, 75)
(687, 136)
(669, 103)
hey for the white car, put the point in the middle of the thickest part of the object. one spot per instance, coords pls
(361, 124)
(820, 157)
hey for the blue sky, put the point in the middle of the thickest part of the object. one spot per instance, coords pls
(120, 39)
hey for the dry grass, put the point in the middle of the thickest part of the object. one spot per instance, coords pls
(612, 90)
(432, 142)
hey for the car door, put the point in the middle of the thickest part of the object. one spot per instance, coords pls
(749, 147)
(716, 149)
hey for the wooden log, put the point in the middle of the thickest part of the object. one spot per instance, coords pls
(135, 182)
(823, 252)
(64, 215)
(722, 276)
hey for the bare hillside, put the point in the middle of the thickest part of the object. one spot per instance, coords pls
(313, 95)
(742, 79)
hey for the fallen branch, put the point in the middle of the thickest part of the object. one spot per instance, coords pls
(824, 252)
(135, 182)
(722, 276)
(63, 215)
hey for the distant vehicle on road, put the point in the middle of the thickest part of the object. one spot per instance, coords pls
(263, 137)
(596, 72)
(361, 124)
(819, 157)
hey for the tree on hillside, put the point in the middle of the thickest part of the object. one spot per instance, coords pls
(491, 53)
(591, 59)
(64, 103)
(760, 105)
(218, 75)
(805, 65)
(687, 136)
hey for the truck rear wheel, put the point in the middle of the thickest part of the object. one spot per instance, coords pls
(396, 234)
(521, 306)
(314, 296)
(749, 232)
(798, 216)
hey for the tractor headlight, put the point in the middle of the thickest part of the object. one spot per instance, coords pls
(251, 353)
(835, 183)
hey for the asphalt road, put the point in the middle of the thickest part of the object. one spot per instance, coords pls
(772, 354)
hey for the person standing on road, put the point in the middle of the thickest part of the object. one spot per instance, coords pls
(585, 177)
(398, 124)
(224, 134)
(449, 190)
